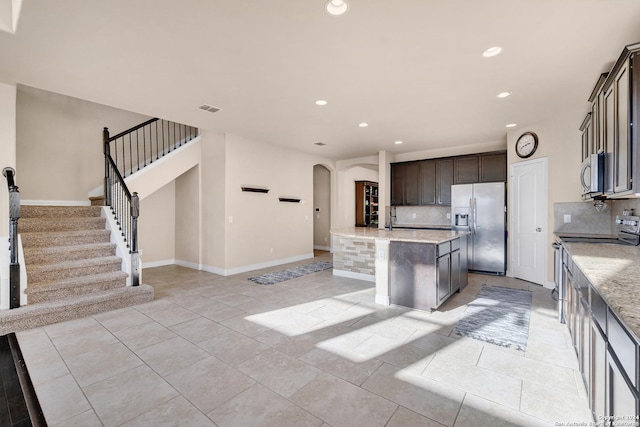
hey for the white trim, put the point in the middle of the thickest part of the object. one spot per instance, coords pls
(322, 248)
(245, 268)
(353, 275)
(549, 285)
(121, 247)
(211, 269)
(55, 202)
(160, 263)
(5, 285)
(383, 299)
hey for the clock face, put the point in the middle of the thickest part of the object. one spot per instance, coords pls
(526, 144)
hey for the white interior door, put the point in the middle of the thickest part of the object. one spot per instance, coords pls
(528, 227)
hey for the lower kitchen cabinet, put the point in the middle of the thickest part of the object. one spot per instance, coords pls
(608, 354)
(425, 275)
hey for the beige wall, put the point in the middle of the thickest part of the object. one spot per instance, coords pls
(560, 142)
(213, 205)
(321, 201)
(187, 217)
(259, 228)
(59, 143)
(8, 151)
(156, 226)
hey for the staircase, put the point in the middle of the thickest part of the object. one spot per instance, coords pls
(72, 267)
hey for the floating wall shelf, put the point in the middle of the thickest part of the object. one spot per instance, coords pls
(254, 189)
(289, 199)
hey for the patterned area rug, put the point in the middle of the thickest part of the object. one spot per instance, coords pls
(498, 316)
(291, 273)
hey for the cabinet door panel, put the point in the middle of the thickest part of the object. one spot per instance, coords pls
(444, 180)
(598, 358)
(412, 184)
(465, 170)
(621, 399)
(609, 136)
(428, 182)
(444, 277)
(493, 167)
(622, 151)
(397, 184)
(455, 271)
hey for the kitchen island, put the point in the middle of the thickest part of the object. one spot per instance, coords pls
(410, 267)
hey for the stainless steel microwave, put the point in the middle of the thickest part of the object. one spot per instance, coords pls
(592, 175)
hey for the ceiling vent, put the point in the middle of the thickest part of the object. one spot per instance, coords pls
(319, 144)
(209, 108)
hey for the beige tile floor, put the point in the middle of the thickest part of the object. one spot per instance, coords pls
(313, 351)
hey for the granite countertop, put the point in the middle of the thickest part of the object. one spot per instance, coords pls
(424, 226)
(614, 271)
(400, 235)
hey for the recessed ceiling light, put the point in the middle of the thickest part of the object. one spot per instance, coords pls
(363, 124)
(336, 7)
(503, 94)
(321, 102)
(398, 142)
(492, 51)
(511, 125)
(319, 144)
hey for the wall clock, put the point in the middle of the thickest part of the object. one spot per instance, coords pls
(526, 144)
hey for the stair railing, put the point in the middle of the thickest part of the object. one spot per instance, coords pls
(141, 145)
(14, 216)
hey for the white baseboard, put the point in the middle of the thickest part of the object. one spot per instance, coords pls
(56, 202)
(322, 248)
(267, 264)
(383, 299)
(160, 263)
(353, 275)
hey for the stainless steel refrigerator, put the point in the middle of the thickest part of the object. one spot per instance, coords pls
(481, 210)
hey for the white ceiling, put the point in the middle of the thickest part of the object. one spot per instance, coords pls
(412, 69)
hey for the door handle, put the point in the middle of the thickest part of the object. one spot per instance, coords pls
(538, 229)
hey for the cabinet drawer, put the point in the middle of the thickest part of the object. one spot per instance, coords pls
(623, 346)
(599, 310)
(444, 248)
(455, 245)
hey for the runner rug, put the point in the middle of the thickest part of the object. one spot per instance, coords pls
(498, 316)
(291, 273)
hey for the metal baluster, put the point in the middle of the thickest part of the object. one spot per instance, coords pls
(157, 141)
(124, 172)
(137, 151)
(144, 147)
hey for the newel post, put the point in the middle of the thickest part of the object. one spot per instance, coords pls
(14, 216)
(135, 258)
(107, 175)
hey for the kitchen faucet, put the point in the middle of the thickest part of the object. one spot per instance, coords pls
(392, 215)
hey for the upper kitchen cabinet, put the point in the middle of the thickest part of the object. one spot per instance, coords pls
(610, 125)
(466, 169)
(427, 176)
(493, 167)
(428, 182)
(444, 180)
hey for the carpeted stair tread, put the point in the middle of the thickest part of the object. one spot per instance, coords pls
(76, 286)
(38, 274)
(40, 314)
(61, 224)
(37, 211)
(63, 238)
(56, 254)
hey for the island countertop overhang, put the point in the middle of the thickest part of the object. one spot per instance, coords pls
(400, 235)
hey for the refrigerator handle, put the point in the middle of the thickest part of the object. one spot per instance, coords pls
(471, 215)
(475, 215)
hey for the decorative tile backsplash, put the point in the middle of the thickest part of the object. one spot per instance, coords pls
(424, 215)
(586, 219)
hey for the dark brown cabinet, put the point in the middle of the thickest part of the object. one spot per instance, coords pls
(428, 182)
(366, 204)
(493, 167)
(615, 105)
(444, 181)
(466, 169)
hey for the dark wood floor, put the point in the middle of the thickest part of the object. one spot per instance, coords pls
(13, 409)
